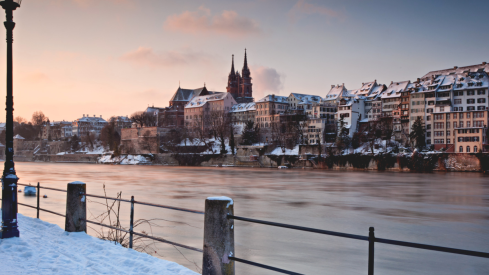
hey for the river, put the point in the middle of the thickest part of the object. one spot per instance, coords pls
(445, 209)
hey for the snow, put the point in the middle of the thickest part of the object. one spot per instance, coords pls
(278, 151)
(126, 159)
(222, 198)
(76, 182)
(45, 248)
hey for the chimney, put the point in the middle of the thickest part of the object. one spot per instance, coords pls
(363, 83)
(100, 116)
(332, 86)
(455, 67)
(83, 115)
(342, 84)
(484, 63)
(392, 82)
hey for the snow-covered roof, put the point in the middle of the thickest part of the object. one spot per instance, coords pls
(274, 98)
(243, 107)
(200, 101)
(335, 92)
(376, 92)
(18, 137)
(91, 119)
(459, 70)
(306, 99)
(471, 80)
(395, 88)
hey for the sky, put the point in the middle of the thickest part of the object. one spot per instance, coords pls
(116, 57)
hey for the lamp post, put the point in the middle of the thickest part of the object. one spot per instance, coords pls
(9, 178)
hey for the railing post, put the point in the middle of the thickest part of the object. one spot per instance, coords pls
(76, 207)
(38, 195)
(371, 243)
(218, 237)
(131, 222)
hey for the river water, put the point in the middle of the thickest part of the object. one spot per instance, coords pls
(445, 209)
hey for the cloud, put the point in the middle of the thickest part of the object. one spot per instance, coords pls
(145, 56)
(229, 23)
(303, 8)
(266, 81)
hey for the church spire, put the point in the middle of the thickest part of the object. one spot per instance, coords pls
(246, 71)
(232, 67)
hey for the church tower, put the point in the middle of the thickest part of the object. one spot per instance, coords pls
(232, 87)
(239, 85)
(245, 89)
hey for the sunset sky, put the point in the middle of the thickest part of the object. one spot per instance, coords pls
(114, 57)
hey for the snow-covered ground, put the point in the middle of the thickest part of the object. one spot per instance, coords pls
(278, 151)
(126, 159)
(45, 248)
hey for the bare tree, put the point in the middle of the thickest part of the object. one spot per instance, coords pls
(38, 120)
(219, 122)
(144, 119)
(20, 120)
(147, 141)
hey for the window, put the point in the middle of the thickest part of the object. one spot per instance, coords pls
(458, 101)
(442, 109)
(454, 116)
(480, 108)
(468, 123)
(470, 101)
(439, 125)
(475, 149)
(460, 93)
(468, 149)
(428, 118)
(454, 124)
(468, 115)
(481, 92)
(461, 115)
(481, 100)
(428, 134)
(448, 141)
(461, 149)
(428, 127)
(438, 116)
(438, 133)
(448, 133)
(470, 92)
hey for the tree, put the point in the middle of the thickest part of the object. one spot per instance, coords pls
(343, 141)
(417, 134)
(27, 131)
(231, 140)
(20, 120)
(219, 122)
(38, 120)
(250, 134)
(147, 142)
(144, 119)
(110, 137)
(75, 143)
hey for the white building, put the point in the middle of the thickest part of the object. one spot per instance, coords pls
(86, 125)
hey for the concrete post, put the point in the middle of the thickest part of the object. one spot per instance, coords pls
(218, 237)
(76, 207)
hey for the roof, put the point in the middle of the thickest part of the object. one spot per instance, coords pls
(395, 88)
(243, 107)
(274, 98)
(306, 99)
(91, 119)
(200, 101)
(18, 137)
(187, 94)
(458, 70)
(335, 92)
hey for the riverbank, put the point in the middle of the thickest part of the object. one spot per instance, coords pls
(45, 248)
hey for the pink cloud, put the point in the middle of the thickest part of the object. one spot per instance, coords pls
(228, 23)
(266, 81)
(145, 56)
(302, 7)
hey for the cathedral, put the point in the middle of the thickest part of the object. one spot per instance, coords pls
(239, 85)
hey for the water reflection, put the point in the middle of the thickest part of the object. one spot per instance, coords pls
(448, 209)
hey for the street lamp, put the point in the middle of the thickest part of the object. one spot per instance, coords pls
(9, 178)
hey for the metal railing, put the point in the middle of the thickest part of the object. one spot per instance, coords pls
(131, 231)
(370, 238)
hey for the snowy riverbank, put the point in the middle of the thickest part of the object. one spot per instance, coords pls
(45, 248)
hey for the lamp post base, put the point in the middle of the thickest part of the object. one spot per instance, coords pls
(9, 207)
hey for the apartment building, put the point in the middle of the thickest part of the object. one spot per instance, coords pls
(198, 111)
(243, 112)
(87, 125)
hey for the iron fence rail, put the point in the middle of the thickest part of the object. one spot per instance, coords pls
(283, 271)
(370, 238)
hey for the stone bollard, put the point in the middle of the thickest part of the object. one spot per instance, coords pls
(218, 237)
(76, 207)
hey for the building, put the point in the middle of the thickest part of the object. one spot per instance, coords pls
(351, 110)
(198, 112)
(335, 94)
(145, 140)
(242, 113)
(56, 130)
(239, 85)
(322, 122)
(269, 108)
(87, 125)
